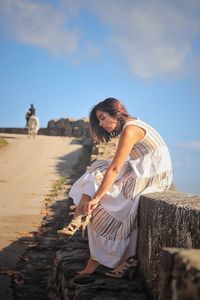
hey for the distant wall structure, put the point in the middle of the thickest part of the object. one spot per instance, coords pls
(60, 127)
(69, 127)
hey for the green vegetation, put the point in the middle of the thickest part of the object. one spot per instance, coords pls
(83, 163)
(58, 185)
(3, 142)
(78, 170)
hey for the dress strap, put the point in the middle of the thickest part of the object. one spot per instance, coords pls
(133, 122)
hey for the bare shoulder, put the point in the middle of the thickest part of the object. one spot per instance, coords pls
(133, 130)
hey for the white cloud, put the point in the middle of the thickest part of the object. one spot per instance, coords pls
(186, 166)
(155, 37)
(193, 145)
(39, 24)
(186, 155)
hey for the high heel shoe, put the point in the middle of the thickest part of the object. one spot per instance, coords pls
(125, 268)
(76, 224)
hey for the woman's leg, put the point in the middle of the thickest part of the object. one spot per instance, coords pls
(91, 264)
(79, 210)
(90, 267)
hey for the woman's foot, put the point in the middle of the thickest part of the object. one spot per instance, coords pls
(77, 223)
(91, 267)
(80, 220)
(126, 267)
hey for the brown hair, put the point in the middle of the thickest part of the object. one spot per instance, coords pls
(115, 109)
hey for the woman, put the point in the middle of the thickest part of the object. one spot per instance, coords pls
(107, 195)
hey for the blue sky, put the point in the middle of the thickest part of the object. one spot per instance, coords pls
(65, 56)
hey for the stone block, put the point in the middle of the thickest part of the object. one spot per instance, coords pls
(180, 274)
(169, 219)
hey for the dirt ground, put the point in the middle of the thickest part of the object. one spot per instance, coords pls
(28, 169)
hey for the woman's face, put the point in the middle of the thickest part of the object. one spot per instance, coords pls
(106, 121)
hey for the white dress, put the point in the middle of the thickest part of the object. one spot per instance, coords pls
(113, 229)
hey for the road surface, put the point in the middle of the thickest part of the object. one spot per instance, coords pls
(28, 169)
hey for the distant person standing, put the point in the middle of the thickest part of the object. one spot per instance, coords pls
(29, 113)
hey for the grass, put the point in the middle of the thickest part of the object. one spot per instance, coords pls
(3, 142)
(83, 163)
(58, 185)
(78, 170)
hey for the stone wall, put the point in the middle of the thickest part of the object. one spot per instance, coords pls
(61, 127)
(180, 274)
(69, 127)
(169, 219)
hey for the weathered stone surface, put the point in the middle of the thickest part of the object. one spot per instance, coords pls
(169, 219)
(69, 127)
(87, 142)
(6, 292)
(180, 274)
(61, 127)
(105, 150)
(68, 131)
(65, 284)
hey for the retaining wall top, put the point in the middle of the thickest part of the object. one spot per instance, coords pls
(176, 198)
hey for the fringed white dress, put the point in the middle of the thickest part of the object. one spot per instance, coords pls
(113, 229)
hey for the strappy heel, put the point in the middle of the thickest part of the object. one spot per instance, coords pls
(76, 224)
(126, 268)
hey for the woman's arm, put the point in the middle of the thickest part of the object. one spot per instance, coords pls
(131, 135)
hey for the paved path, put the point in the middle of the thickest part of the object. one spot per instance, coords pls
(28, 169)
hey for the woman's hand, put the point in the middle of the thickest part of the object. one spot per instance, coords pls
(90, 206)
